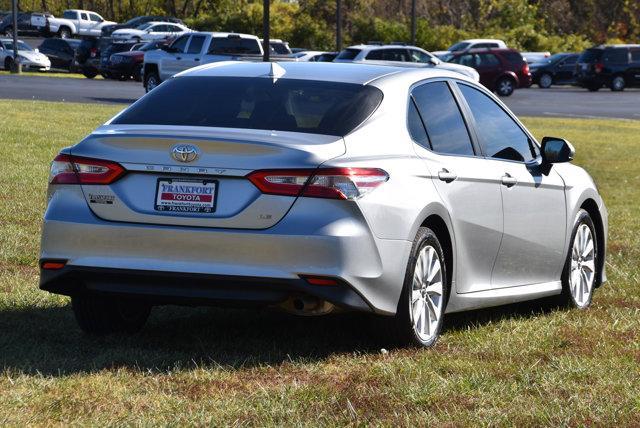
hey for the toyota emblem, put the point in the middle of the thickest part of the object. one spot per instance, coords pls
(185, 153)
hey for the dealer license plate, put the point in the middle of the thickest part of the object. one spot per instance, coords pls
(187, 196)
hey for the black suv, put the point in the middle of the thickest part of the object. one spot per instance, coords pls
(558, 69)
(107, 30)
(615, 66)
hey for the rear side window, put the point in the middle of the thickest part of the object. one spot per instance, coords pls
(591, 55)
(570, 60)
(513, 57)
(294, 105)
(416, 127)
(69, 15)
(234, 46)
(195, 47)
(498, 134)
(488, 60)
(635, 55)
(442, 119)
(616, 56)
(348, 54)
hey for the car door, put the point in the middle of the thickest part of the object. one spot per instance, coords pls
(84, 25)
(634, 67)
(172, 62)
(94, 24)
(489, 67)
(566, 69)
(193, 55)
(534, 211)
(467, 184)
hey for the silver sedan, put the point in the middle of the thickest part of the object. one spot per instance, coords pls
(408, 193)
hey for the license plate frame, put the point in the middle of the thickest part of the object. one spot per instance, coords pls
(187, 206)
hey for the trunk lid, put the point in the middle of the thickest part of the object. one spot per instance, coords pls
(225, 157)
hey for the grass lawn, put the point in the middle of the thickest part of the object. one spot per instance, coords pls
(531, 364)
(60, 74)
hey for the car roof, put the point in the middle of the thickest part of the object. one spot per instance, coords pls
(221, 34)
(485, 50)
(390, 46)
(325, 71)
(482, 40)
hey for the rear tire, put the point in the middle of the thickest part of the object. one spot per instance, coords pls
(581, 267)
(593, 87)
(64, 33)
(505, 86)
(425, 293)
(100, 315)
(89, 74)
(545, 81)
(618, 84)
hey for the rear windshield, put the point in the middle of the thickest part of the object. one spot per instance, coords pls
(294, 105)
(590, 55)
(234, 46)
(348, 54)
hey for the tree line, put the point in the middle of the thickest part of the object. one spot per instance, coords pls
(554, 25)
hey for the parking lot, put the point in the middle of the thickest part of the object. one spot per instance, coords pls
(559, 101)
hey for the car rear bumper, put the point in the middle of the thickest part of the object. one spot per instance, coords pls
(318, 237)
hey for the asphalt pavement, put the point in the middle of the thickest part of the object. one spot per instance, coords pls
(563, 101)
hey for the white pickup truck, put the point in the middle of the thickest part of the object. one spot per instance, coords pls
(75, 22)
(193, 49)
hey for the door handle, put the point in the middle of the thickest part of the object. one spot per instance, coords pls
(508, 180)
(197, 59)
(446, 176)
(178, 58)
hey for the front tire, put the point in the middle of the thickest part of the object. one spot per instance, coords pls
(151, 81)
(100, 315)
(505, 87)
(89, 74)
(582, 264)
(425, 293)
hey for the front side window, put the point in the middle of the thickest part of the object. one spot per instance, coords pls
(616, 56)
(348, 54)
(498, 134)
(418, 56)
(180, 44)
(442, 119)
(470, 60)
(95, 18)
(488, 60)
(635, 55)
(294, 105)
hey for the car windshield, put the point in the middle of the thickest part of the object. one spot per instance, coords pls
(148, 46)
(460, 46)
(144, 26)
(133, 21)
(446, 57)
(22, 46)
(317, 107)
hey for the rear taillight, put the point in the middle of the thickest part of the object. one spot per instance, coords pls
(598, 67)
(525, 68)
(93, 52)
(67, 169)
(333, 183)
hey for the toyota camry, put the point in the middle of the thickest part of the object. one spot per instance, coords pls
(406, 193)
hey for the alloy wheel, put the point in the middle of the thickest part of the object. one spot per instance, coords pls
(583, 266)
(545, 81)
(427, 294)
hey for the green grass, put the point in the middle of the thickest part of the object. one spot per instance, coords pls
(60, 74)
(531, 364)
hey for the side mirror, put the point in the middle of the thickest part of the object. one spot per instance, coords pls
(433, 60)
(557, 150)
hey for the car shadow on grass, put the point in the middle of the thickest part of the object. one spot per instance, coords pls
(48, 341)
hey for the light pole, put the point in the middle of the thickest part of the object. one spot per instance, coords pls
(338, 25)
(265, 30)
(413, 22)
(15, 66)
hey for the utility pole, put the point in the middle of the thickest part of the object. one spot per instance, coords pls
(338, 25)
(413, 22)
(265, 30)
(15, 66)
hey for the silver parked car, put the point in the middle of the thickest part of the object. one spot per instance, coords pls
(408, 193)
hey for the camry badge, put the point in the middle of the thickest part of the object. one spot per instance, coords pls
(185, 153)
